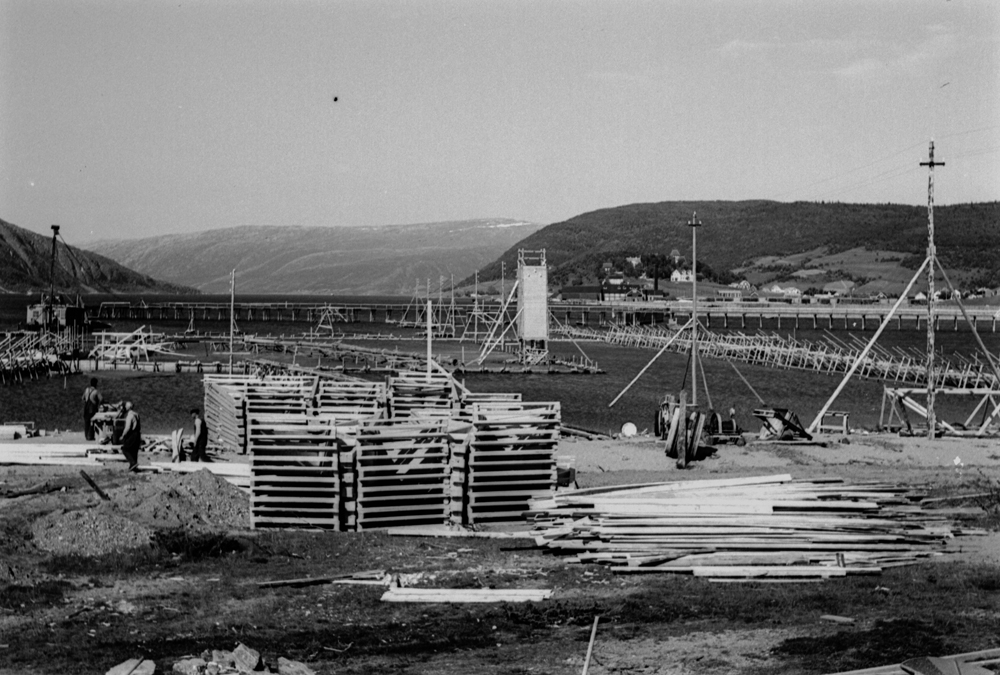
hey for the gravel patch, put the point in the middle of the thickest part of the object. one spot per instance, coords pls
(89, 532)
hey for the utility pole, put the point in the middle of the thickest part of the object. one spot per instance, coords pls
(430, 338)
(48, 314)
(694, 224)
(232, 316)
(931, 262)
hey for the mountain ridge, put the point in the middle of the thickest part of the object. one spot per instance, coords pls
(28, 256)
(367, 260)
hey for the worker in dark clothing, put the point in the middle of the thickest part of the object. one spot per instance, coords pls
(92, 401)
(199, 450)
(131, 437)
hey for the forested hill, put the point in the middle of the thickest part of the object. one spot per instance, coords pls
(734, 234)
(25, 259)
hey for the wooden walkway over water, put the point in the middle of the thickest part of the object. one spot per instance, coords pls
(726, 315)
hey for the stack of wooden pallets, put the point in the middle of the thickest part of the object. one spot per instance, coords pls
(469, 399)
(326, 454)
(296, 466)
(229, 397)
(402, 472)
(284, 396)
(421, 394)
(225, 412)
(351, 400)
(507, 459)
(769, 528)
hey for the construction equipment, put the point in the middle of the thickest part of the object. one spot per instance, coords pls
(682, 428)
(781, 424)
(719, 430)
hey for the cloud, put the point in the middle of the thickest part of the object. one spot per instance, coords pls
(861, 68)
(739, 48)
(937, 43)
(855, 56)
(620, 77)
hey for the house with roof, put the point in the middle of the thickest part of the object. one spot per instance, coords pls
(582, 293)
(682, 276)
(840, 287)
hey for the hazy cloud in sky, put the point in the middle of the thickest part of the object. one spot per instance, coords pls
(123, 119)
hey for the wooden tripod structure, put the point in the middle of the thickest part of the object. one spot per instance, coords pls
(930, 263)
(693, 324)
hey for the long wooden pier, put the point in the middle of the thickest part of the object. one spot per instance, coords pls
(717, 314)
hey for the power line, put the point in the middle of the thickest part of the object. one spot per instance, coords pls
(889, 175)
(970, 131)
(879, 161)
(848, 172)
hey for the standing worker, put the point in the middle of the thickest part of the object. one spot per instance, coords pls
(199, 450)
(131, 437)
(92, 401)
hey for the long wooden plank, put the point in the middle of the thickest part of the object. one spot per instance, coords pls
(480, 595)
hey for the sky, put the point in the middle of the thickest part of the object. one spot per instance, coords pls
(123, 119)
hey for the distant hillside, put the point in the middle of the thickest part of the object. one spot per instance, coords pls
(27, 257)
(385, 260)
(744, 236)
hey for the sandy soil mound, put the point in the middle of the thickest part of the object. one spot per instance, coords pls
(89, 532)
(193, 500)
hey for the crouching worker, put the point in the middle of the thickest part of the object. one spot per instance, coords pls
(131, 437)
(199, 451)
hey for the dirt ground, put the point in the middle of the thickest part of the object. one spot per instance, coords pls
(168, 568)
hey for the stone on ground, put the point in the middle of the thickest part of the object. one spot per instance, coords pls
(289, 667)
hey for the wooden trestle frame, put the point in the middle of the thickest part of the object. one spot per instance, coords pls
(899, 400)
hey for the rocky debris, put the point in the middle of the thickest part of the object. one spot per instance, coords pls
(125, 607)
(247, 659)
(91, 532)
(133, 667)
(240, 661)
(223, 658)
(288, 667)
(193, 666)
(195, 500)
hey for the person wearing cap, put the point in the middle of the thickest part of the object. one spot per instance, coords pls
(131, 437)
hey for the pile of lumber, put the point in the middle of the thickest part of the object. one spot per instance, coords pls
(743, 528)
(506, 460)
(968, 663)
(402, 472)
(56, 454)
(237, 474)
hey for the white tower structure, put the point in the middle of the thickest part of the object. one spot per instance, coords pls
(532, 301)
(530, 323)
